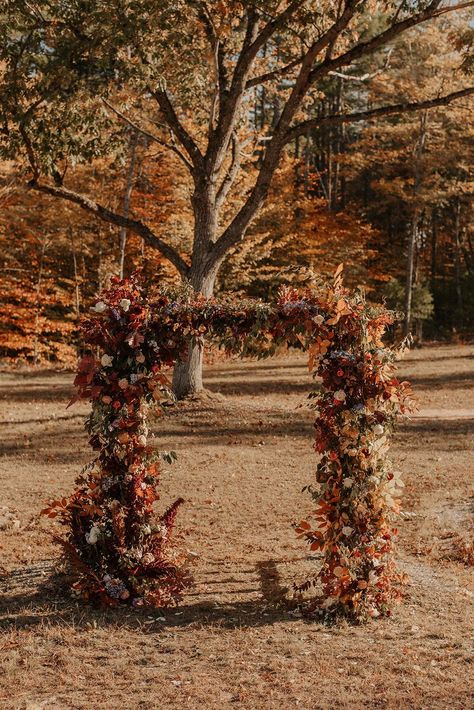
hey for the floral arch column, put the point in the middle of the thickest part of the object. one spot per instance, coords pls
(123, 554)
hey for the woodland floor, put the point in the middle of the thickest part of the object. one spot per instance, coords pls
(243, 460)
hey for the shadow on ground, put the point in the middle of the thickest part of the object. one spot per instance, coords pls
(38, 595)
(36, 392)
(443, 380)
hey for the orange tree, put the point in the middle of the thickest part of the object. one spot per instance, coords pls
(123, 555)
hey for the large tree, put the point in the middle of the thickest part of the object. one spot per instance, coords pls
(77, 75)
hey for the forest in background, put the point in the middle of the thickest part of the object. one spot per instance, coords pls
(391, 198)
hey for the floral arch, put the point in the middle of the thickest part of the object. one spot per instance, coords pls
(122, 554)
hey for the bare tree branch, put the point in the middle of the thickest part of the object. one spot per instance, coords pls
(173, 148)
(407, 107)
(30, 152)
(218, 56)
(363, 49)
(186, 140)
(228, 181)
(271, 27)
(235, 231)
(205, 18)
(215, 42)
(275, 74)
(332, 43)
(216, 93)
(231, 100)
(367, 75)
(230, 104)
(113, 218)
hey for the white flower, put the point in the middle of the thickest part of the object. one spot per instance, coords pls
(100, 307)
(346, 530)
(340, 396)
(125, 304)
(106, 360)
(142, 440)
(318, 319)
(348, 482)
(93, 535)
(378, 429)
(123, 383)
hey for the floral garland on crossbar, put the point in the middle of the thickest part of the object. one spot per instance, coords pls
(122, 554)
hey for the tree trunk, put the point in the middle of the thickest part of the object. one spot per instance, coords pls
(412, 251)
(39, 281)
(434, 251)
(457, 264)
(412, 243)
(187, 375)
(77, 287)
(126, 200)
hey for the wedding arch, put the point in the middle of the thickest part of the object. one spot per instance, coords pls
(123, 554)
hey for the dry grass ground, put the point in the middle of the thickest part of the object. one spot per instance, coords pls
(243, 460)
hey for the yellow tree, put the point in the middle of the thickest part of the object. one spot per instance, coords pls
(297, 234)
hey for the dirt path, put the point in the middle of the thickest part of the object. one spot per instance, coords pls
(243, 460)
